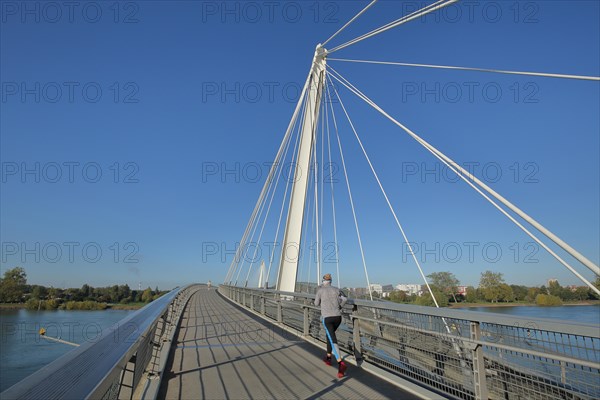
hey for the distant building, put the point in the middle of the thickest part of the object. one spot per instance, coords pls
(409, 288)
(358, 291)
(376, 287)
(462, 290)
(386, 290)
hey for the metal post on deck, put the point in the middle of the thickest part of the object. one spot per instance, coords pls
(263, 301)
(306, 318)
(479, 381)
(356, 334)
(252, 301)
(279, 311)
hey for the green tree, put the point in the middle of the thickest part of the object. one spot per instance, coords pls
(519, 291)
(532, 294)
(73, 294)
(86, 291)
(506, 293)
(147, 295)
(547, 300)
(39, 292)
(426, 300)
(113, 294)
(490, 284)
(12, 286)
(582, 293)
(398, 296)
(53, 293)
(471, 295)
(446, 282)
(555, 289)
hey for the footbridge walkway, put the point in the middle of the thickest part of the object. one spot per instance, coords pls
(199, 342)
(222, 351)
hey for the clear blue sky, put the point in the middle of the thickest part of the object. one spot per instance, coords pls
(153, 95)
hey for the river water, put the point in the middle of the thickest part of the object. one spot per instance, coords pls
(23, 352)
(580, 314)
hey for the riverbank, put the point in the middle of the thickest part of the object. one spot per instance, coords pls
(128, 306)
(11, 306)
(514, 304)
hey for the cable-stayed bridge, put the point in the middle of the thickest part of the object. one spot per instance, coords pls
(258, 335)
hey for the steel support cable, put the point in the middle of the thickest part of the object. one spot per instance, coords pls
(387, 199)
(335, 241)
(468, 178)
(257, 220)
(255, 227)
(362, 253)
(416, 14)
(498, 71)
(260, 197)
(316, 183)
(262, 194)
(349, 22)
(279, 169)
(285, 194)
(456, 346)
(580, 257)
(465, 174)
(287, 133)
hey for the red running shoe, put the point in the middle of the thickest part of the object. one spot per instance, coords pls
(341, 369)
(327, 360)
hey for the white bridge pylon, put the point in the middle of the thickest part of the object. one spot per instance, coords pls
(288, 264)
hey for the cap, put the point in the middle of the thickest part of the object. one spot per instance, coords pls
(327, 277)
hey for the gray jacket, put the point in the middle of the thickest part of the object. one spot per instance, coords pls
(331, 301)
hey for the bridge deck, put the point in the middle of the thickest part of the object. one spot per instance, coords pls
(223, 352)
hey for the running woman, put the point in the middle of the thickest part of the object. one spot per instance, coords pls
(331, 301)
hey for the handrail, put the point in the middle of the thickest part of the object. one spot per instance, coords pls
(545, 324)
(484, 355)
(94, 369)
(475, 342)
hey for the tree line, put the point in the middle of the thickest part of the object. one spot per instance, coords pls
(493, 289)
(14, 289)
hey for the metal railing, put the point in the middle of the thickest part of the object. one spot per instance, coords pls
(115, 365)
(456, 353)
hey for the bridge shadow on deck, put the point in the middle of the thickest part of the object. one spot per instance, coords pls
(225, 352)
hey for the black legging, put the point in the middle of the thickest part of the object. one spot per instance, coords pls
(332, 323)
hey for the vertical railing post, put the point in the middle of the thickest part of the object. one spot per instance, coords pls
(279, 311)
(306, 323)
(244, 298)
(263, 305)
(252, 301)
(356, 334)
(481, 390)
